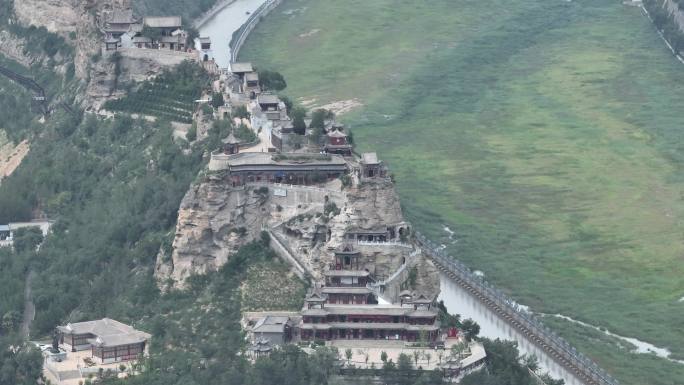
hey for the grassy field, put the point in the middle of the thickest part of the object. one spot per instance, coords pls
(546, 134)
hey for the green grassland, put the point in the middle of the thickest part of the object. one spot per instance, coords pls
(546, 134)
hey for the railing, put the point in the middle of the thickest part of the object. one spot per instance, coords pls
(241, 34)
(559, 349)
(288, 254)
(294, 187)
(381, 243)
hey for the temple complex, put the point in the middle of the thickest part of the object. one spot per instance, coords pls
(409, 321)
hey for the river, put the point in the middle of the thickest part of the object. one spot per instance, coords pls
(221, 26)
(459, 301)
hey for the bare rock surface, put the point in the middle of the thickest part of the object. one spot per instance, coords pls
(215, 220)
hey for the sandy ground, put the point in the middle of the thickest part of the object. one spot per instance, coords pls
(180, 129)
(340, 107)
(11, 156)
(310, 33)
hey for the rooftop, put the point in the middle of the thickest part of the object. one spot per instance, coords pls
(108, 332)
(268, 99)
(347, 273)
(205, 40)
(124, 16)
(259, 158)
(271, 324)
(252, 76)
(141, 39)
(241, 67)
(231, 139)
(346, 290)
(352, 309)
(337, 134)
(369, 158)
(163, 22)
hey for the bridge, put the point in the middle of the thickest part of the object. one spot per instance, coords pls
(529, 326)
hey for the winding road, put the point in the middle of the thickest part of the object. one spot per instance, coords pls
(29, 306)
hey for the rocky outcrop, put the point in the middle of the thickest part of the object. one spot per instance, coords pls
(13, 48)
(215, 220)
(78, 22)
(677, 14)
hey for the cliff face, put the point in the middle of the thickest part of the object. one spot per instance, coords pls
(677, 14)
(77, 21)
(215, 220)
(57, 16)
(68, 18)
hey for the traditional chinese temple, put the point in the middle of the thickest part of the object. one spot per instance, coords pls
(107, 339)
(344, 307)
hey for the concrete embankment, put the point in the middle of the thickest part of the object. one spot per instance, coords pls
(249, 26)
(489, 306)
(213, 11)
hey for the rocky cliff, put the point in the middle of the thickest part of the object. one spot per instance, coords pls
(677, 14)
(78, 22)
(215, 220)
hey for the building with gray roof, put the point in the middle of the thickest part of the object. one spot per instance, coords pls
(109, 340)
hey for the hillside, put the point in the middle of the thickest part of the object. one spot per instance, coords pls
(546, 137)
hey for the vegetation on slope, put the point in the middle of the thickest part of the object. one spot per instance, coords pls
(188, 9)
(171, 95)
(38, 40)
(547, 135)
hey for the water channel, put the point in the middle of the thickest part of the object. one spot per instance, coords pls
(459, 301)
(221, 26)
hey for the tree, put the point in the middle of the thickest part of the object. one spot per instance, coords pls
(192, 34)
(317, 125)
(288, 103)
(217, 99)
(404, 362)
(428, 357)
(153, 33)
(10, 321)
(348, 356)
(383, 356)
(271, 80)
(298, 115)
(531, 362)
(470, 328)
(416, 356)
(27, 238)
(240, 112)
(548, 380)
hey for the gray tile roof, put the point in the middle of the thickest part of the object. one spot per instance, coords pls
(241, 67)
(107, 332)
(369, 158)
(163, 22)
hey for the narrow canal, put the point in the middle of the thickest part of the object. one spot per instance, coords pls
(221, 26)
(459, 301)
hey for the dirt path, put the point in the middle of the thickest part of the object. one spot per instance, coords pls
(11, 156)
(29, 306)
